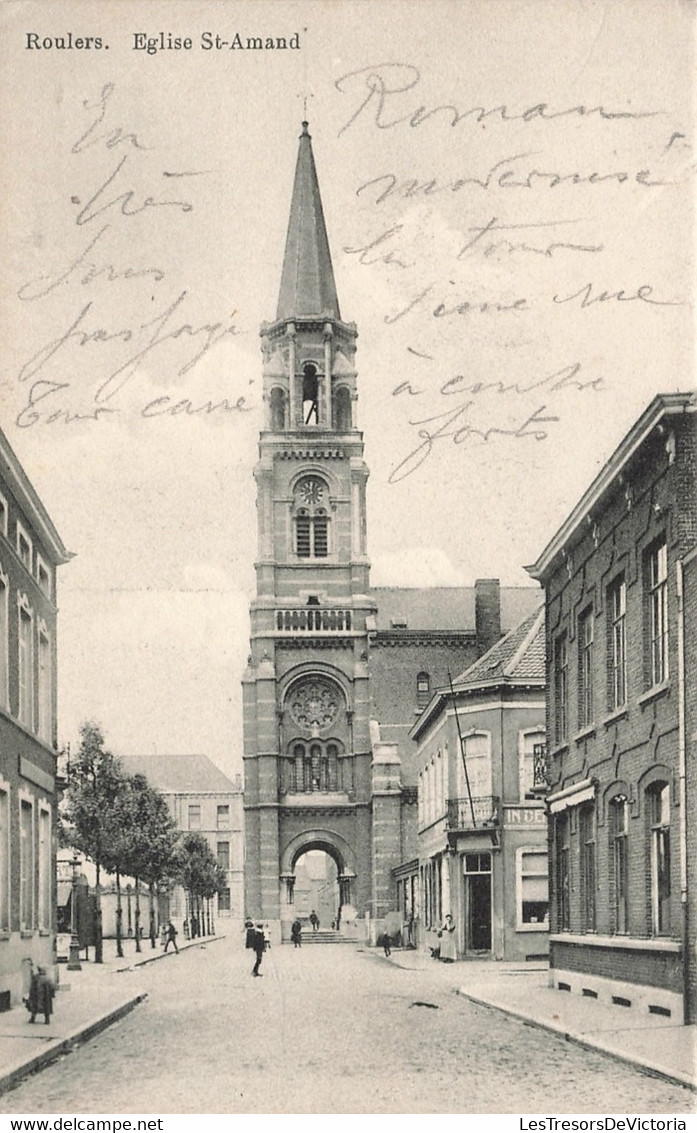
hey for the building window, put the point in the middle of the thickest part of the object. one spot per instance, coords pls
(224, 901)
(423, 689)
(45, 685)
(619, 819)
(586, 826)
(43, 576)
(223, 854)
(617, 644)
(434, 893)
(24, 547)
(313, 769)
(26, 666)
(223, 817)
(659, 814)
(311, 519)
(4, 858)
(26, 865)
(194, 817)
(45, 872)
(562, 844)
(532, 763)
(585, 669)
(476, 750)
(532, 888)
(656, 579)
(4, 641)
(561, 690)
(4, 516)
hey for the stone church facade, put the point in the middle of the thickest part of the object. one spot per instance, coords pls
(318, 774)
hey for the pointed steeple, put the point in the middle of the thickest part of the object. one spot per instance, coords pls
(307, 280)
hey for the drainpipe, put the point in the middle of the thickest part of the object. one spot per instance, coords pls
(682, 791)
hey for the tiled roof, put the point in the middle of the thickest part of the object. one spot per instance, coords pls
(520, 655)
(179, 774)
(446, 607)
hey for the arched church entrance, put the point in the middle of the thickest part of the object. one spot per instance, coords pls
(316, 889)
(317, 874)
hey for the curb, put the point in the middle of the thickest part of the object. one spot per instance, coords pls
(652, 1068)
(22, 1069)
(199, 942)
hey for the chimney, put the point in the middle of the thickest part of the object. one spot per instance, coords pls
(487, 612)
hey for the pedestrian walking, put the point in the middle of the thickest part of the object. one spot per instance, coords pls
(296, 932)
(40, 998)
(249, 932)
(384, 943)
(259, 948)
(314, 921)
(170, 936)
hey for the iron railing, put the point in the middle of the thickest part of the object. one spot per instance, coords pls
(486, 813)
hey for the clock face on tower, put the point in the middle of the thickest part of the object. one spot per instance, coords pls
(311, 490)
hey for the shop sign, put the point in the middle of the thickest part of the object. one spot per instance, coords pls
(524, 816)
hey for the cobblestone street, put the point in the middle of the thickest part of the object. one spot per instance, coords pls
(329, 1029)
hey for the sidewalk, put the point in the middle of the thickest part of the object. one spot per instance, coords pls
(86, 1003)
(649, 1042)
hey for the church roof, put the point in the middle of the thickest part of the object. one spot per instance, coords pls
(450, 608)
(517, 659)
(179, 774)
(307, 279)
(518, 656)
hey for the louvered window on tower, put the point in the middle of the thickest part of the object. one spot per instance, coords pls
(321, 535)
(302, 531)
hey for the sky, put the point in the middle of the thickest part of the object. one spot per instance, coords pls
(508, 192)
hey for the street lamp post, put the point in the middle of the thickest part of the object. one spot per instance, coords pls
(74, 964)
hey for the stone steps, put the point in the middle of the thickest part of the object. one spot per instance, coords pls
(323, 936)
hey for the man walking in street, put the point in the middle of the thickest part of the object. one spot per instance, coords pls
(170, 936)
(259, 948)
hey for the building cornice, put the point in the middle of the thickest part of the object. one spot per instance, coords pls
(664, 405)
(29, 503)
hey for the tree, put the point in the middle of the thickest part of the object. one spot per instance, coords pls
(92, 812)
(198, 871)
(151, 845)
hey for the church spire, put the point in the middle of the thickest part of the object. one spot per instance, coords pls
(307, 280)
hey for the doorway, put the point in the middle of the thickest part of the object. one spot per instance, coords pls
(477, 869)
(316, 887)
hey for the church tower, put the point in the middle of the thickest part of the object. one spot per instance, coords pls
(307, 745)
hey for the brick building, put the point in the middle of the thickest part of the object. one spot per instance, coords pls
(482, 827)
(619, 580)
(201, 797)
(30, 552)
(336, 671)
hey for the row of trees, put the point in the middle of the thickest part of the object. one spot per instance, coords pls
(123, 825)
